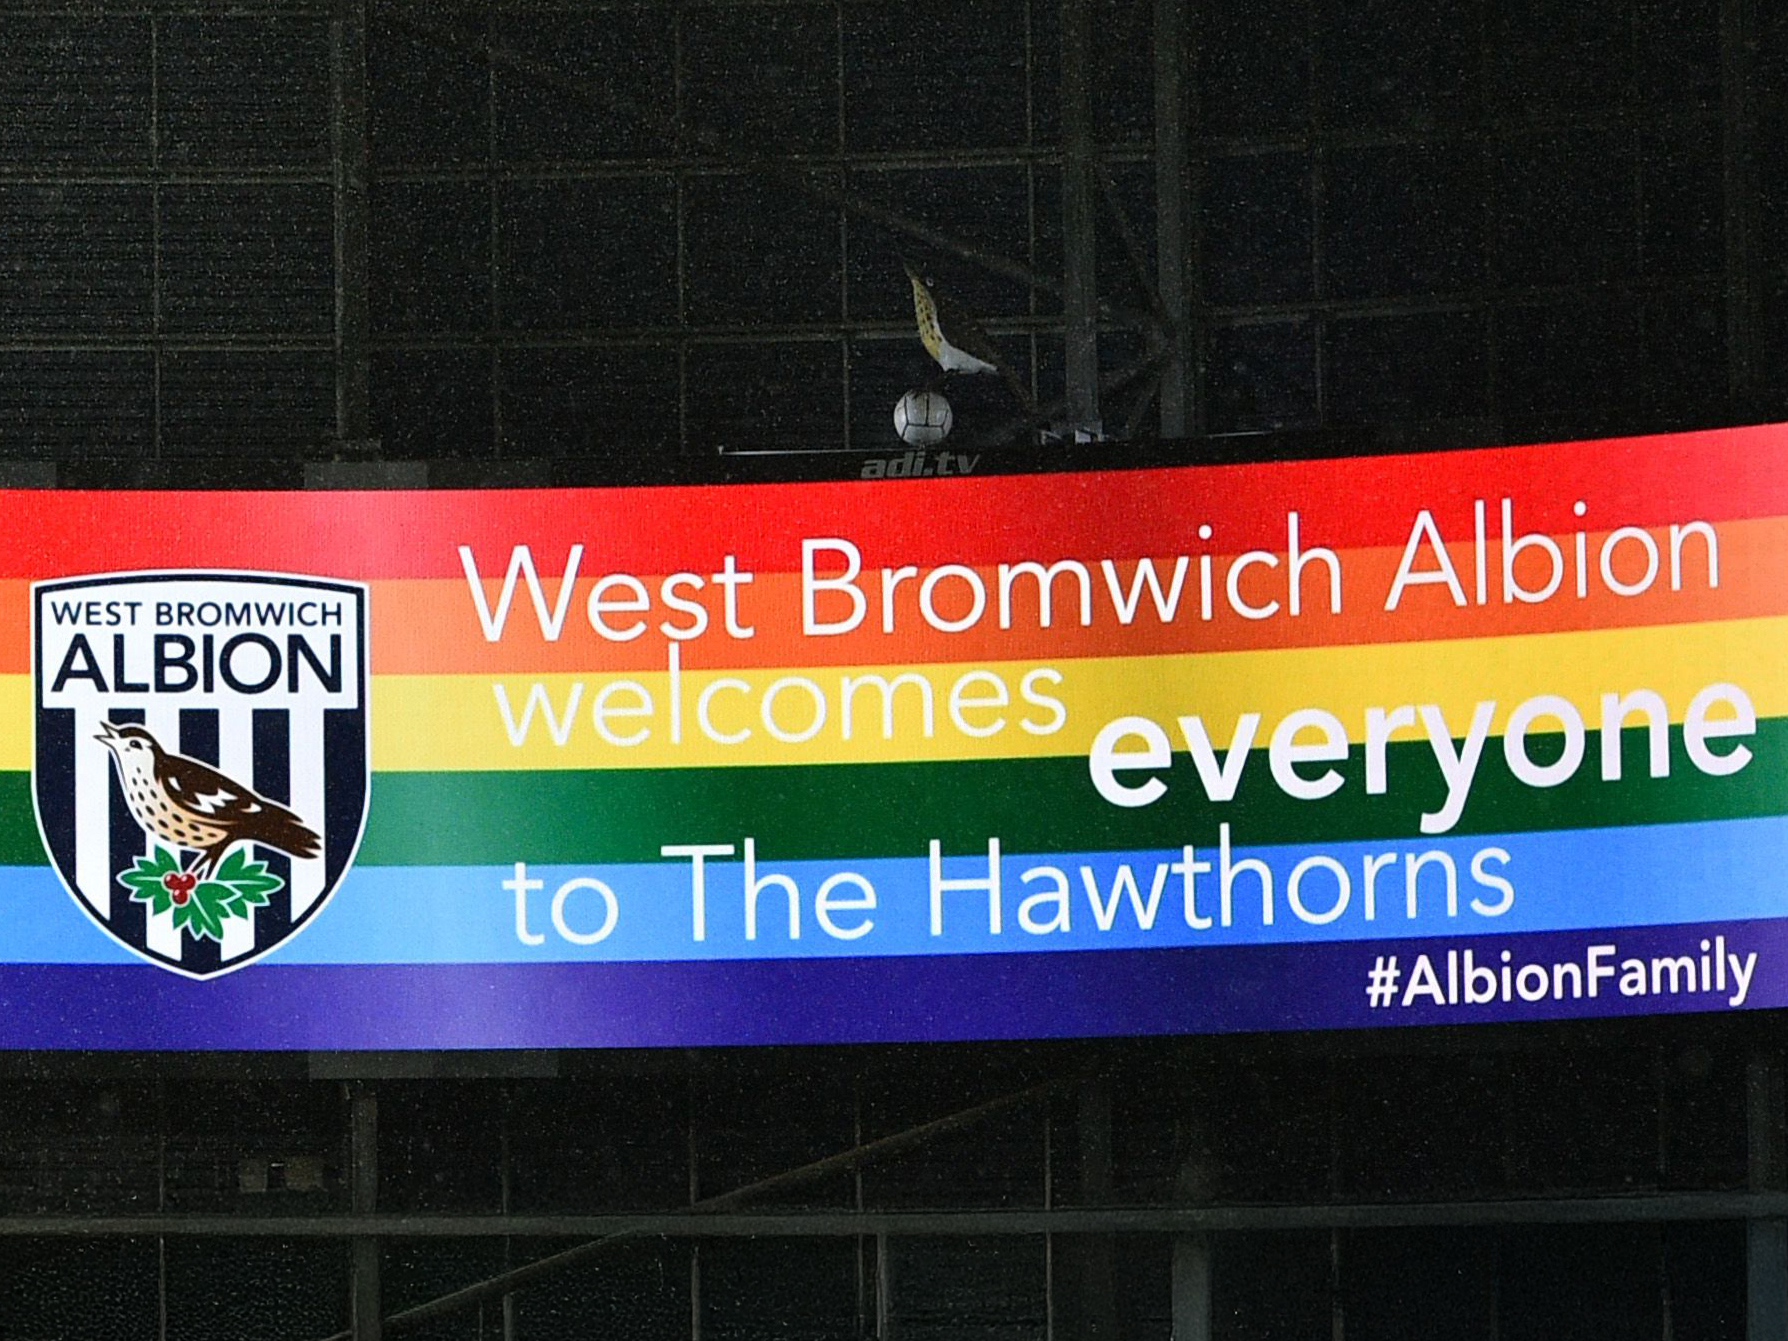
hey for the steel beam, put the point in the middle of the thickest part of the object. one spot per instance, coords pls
(350, 157)
(885, 1325)
(1194, 1186)
(1766, 1238)
(1176, 223)
(1080, 288)
(1085, 1288)
(1192, 1287)
(1742, 207)
(1647, 1208)
(363, 1173)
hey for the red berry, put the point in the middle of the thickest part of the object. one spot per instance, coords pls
(181, 896)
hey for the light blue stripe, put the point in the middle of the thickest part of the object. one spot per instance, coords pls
(1568, 880)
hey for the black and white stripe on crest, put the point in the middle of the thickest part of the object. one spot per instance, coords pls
(257, 746)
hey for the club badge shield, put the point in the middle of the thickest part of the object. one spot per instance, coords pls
(201, 767)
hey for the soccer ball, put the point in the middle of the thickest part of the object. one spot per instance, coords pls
(922, 418)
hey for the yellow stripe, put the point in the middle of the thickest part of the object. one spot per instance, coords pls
(453, 722)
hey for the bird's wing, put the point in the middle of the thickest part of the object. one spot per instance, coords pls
(201, 788)
(967, 334)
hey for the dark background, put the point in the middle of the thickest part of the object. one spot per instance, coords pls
(1568, 1181)
(517, 243)
(1446, 220)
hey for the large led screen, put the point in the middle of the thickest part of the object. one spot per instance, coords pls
(1432, 739)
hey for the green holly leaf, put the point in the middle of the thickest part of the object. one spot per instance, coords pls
(150, 869)
(239, 886)
(236, 865)
(239, 872)
(200, 917)
(236, 900)
(144, 879)
(158, 899)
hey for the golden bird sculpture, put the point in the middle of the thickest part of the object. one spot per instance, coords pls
(956, 340)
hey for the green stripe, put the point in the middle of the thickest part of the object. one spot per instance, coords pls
(1031, 805)
(1041, 805)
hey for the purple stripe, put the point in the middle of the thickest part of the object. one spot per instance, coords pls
(929, 999)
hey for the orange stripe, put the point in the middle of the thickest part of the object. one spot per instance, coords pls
(429, 627)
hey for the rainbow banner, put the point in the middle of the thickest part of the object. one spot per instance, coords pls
(1474, 736)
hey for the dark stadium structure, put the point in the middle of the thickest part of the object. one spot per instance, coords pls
(469, 243)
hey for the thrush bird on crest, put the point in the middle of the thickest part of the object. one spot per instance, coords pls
(189, 804)
(955, 339)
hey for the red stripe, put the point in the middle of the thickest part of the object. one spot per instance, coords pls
(1360, 501)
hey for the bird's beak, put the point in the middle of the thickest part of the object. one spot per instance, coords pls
(107, 733)
(911, 273)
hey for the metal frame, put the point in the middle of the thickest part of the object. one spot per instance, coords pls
(1757, 1208)
(1181, 145)
(1079, 1235)
(370, 1326)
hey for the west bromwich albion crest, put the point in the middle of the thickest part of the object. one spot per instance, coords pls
(201, 766)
